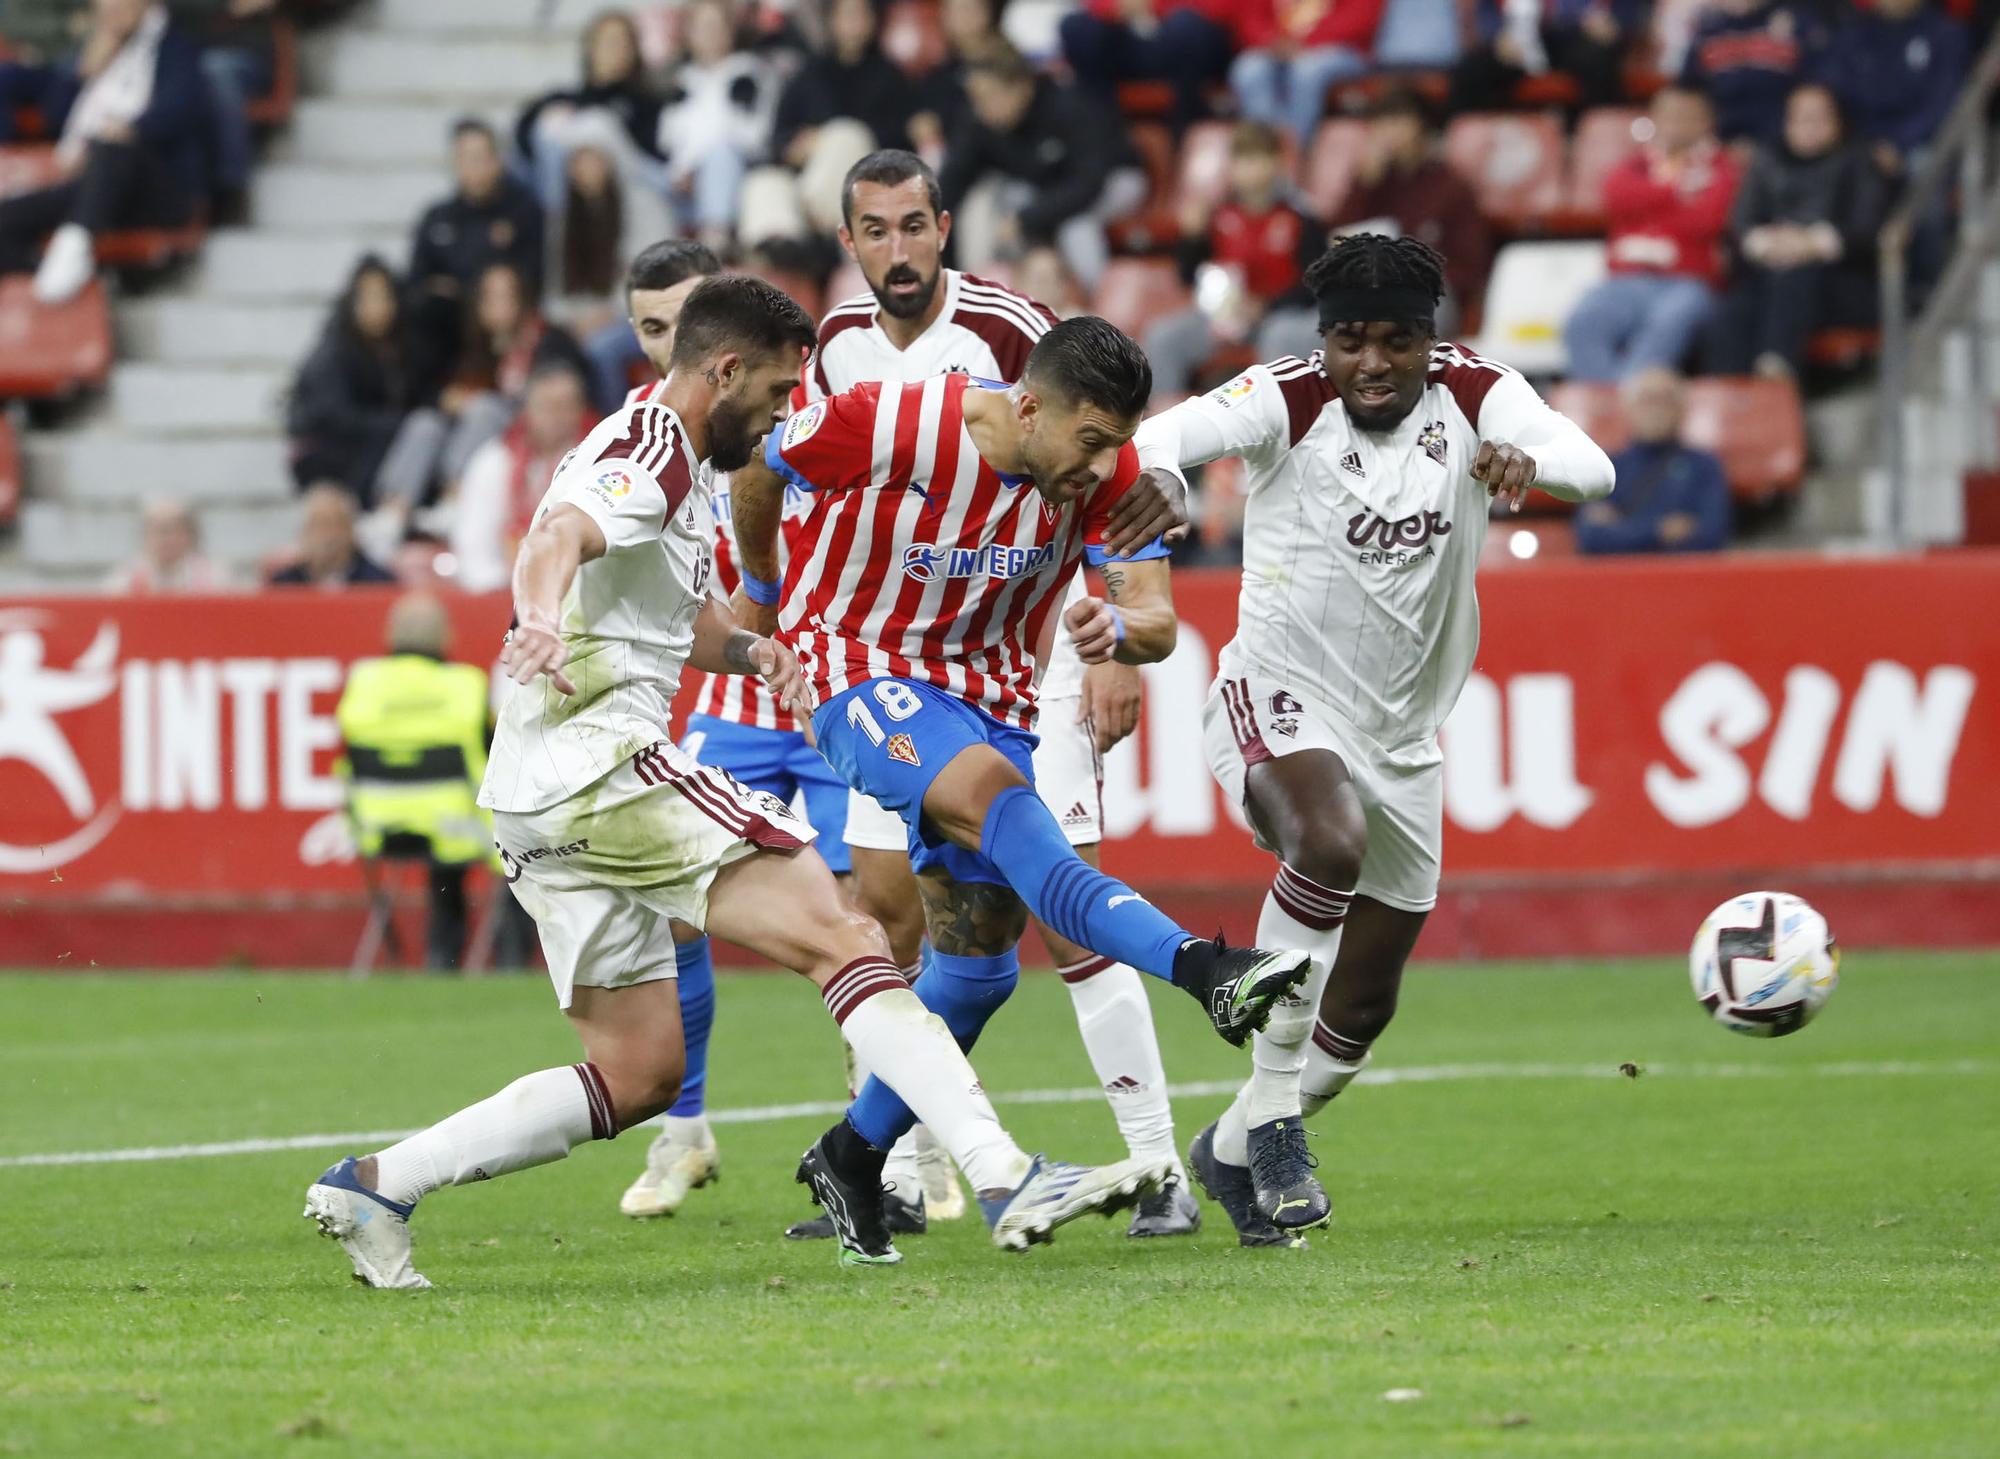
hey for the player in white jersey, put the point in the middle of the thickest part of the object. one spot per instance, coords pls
(609, 833)
(1370, 467)
(920, 319)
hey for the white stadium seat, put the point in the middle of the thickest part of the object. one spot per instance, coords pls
(1533, 289)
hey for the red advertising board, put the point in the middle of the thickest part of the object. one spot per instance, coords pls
(1640, 738)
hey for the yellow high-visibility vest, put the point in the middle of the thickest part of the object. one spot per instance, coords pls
(415, 733)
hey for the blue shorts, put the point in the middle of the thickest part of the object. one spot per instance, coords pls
(781, 763)
(889, 738)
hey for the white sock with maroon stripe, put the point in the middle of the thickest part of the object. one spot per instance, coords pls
(909, 1049)
(1117, 1026)
(1298, 912)
(1331, 1064)
(538, 1118)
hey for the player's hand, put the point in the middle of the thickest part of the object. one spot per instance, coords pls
(535, 647)
(1112, 696)
(779, 668)
(1507, 471)
(1093, 626)
(1153, 506)
(759, 618)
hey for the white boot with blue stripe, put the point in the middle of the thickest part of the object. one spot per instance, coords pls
(1054, 1193)
(373, 1230)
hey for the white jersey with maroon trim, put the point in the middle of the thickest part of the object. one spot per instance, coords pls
(628, 618)
(920, 560)
(1359, 547)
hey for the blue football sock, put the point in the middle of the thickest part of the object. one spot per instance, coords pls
(964, 992)
(1081, 903)
(697, 985)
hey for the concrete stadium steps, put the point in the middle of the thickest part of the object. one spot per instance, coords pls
(359, 62)
(198, 331)
(61, 540)
(306, 196)
(184, 400)
(102, 464)
(564, 18)
(384, 133)
(270, 265)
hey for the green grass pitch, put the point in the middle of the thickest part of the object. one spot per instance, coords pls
(1750, 1249)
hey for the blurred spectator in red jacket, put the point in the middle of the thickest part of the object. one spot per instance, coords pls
(170, 558)
(1667, 211)
(1585, 39)
(1402, 185)
(1245, 260)
(1292, 51)
(1185, 43)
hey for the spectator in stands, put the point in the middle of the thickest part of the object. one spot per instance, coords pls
(130, 113)
(1185, 43)
(614, 109)
(1245, 259)
(1666, 212)
(1583, 39)
(355, 388)
(239, 51)
(1897, 68)
(1804, 229)
(505, 478)
(488, 219)
(327, 556)
(1288, 55)
(716, 122)
(1747, 55)
(843, 103)
(170, 559)
(971, 28)
(1057, 168)
(1670, 497)
(1401, 179)
(1044, 277)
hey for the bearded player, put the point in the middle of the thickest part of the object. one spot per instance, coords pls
(920, 319)
(950, 518)
(609, 833)
(1370, 467)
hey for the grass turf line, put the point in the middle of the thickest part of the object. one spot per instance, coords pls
(1783, 1265)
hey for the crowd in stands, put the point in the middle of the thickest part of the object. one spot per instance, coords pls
(1767, 140)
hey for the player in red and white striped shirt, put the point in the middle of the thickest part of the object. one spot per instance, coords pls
(952, 515)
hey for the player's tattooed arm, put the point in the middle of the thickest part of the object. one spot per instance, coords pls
(723, 646)
(1134, 623)
(970, 919)
(756, 509)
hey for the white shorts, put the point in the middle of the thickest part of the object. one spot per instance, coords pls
(1068, 776)
(605, 871)
(1402, 792)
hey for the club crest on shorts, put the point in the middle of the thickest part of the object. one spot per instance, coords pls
(902, 747)
(1431, 438)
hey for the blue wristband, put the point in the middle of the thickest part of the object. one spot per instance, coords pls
(766, 591)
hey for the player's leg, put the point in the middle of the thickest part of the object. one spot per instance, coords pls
(1360, 997)
(886, 889)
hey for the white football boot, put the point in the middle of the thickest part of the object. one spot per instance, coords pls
(1054, 1193)
(678, 1161)
(944, 1197)
(373, 1230)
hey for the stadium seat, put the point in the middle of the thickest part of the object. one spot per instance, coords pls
(1756, 426)
(24, 168)
(1532, 291)
(1136, 291)
(274, 107)
(1605, 136)
(10, 473)
(27, 166)
(1145, 100)
(50, 352)
(1329, 168)
(1595, 405)
(1513, 164)
(911, 36)
(1155, 223)
(1843, 349)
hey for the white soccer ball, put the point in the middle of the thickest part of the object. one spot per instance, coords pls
(1764, 964)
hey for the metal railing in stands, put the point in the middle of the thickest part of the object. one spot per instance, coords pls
(1914, 350)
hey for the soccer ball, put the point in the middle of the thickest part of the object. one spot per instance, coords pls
(1763, 964)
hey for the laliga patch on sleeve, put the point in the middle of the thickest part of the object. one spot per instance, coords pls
(801, 425)
(614, 483)
(1241, 388)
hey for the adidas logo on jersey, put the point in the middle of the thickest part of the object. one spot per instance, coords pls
(1352, 462)
(1124, 1084)
(1077, 815)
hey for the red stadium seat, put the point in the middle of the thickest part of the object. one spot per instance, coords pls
(10, 473)
(274, 107)
(1596, 406)
(48, 352)
(1204, 172)
(1155, 223)
(1756, 426)
(1329, 171)
(1136, 291)
(1147, 100)
(25, 168)
(1843, 349)
(911, 36)
(1551, 88)
(1605, 136)
(1514, 164)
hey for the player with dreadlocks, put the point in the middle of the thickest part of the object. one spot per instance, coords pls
(1369, 468)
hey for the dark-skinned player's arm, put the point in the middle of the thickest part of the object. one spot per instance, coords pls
(722, 645)
(1134, 622)
(1524, 443)
(544, 567)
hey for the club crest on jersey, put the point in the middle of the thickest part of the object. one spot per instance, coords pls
(927, 561)
(801, 425)
(1431, 438)
(902, 747)
(615, 483)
